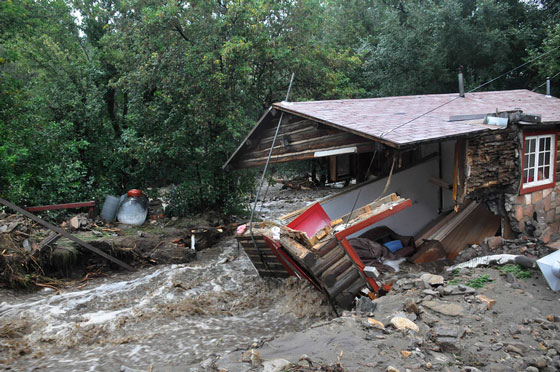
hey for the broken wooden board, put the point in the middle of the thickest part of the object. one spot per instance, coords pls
(479, 224)
(454, 232)
(66, 234)
(265, 261)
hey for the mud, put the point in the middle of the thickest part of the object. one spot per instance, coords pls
(520, 330)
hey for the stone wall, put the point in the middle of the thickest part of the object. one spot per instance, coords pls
(492, 165)
(537, 213)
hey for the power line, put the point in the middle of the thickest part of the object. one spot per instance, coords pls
(534, 89)
(471, 91)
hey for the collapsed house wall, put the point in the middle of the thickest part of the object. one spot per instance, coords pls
(411, 183)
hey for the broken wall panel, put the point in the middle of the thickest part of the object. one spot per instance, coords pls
(492, 165)
(412, 183)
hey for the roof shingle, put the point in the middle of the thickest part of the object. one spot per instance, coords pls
(396, 119)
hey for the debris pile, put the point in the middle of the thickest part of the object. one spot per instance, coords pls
(526, 246)
(32, 255)
(19, 255)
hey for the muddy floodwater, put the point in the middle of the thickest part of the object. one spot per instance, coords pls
(168, 316)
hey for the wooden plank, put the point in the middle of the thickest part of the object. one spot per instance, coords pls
(479, 224)
(441, 183)
(302, 155)
(257, 256)
(457, 219)
(338, 140)
(327, 261)
(344, 281)
(66, 234)
(50, 239)
(330, 276)
(429, 251)
(286, 128)
(271, 266)
(301, 254)
(301, 134)
(373, 205)
(88, 204)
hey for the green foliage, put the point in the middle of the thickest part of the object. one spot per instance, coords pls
(419, 46)
(148, 93)
(479, 281)
(516, 270)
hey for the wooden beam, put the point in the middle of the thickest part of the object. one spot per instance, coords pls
(66, 234)
(307, 154)
(88, 204)
(285, 128)
(339, 139)
(441, 183)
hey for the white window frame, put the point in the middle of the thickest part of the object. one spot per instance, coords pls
(552, 157)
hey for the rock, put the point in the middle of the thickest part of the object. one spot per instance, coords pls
(444, 331)
(74, 223)
(552, 318)
(447, 343)
(127, 369)
(488, 301)
(404, 323)
(428, 365)
(496, 346)
(411, 307)
(470, 369)
(521, 346)
(541, 362)
(365, 305)
(495, 242)
(445, 308)
(406, 353)
(555, 344)
(432, 280)
(430, 292)
(27, 245)
(375, 323)
(513, 349)
(208, 364)
(531, 369)
(510, 278)
(391, 369)
(275, 365)
(456, 290)
(253, 357)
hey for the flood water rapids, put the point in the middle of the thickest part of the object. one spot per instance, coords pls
(168, 317)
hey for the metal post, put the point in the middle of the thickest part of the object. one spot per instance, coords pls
(461, 85)
(548, 86)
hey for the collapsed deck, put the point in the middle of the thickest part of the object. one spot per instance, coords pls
(319, 249)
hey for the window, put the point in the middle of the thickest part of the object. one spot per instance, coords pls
(539, 156)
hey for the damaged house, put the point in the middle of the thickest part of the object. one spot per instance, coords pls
(435, 173)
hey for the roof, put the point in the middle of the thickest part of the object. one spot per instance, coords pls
(406, 120)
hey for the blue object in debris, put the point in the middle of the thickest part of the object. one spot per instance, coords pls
(394, 245)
